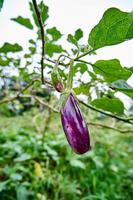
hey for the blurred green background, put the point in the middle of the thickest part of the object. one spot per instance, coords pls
(37, 163)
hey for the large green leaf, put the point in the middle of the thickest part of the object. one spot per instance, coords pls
(114, 27)
(130, 68)
(1, 4)
(7, 47)
(111, 70)
(23, 21)
(122, 86)
(56, 35)
(51, 48)
(113, 105)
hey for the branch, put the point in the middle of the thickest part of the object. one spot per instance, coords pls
(106, 113)
(55, 61)
(48, 82)
(45, 104)
(109, 127)
(130, 118)
(6, 100)
(28, 85)
(37, 127)
(84, 54)
(93, 65)
(18, 95)
(42, 38)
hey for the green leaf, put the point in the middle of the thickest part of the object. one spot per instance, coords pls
(32, 50)
(7, 47)
(31, 41)
(113, 105)
(23, 21)
(3, 185)
(23, 157)
(122, 86)
(22, 193)
(50, 151)
(78, 34)
(83, 88)
(43, 11)
(71, 39)
(33, 13)
(56, 35)
(130, 68)
(51, 48)
(80, 67)
(62, 74)
(114, 27)
(1, 4)
(4, 62)
(77, 163)
(111, 70)
(16, 177)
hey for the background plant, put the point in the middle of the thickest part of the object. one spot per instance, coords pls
(35, 161)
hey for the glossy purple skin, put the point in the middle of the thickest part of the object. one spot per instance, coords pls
(74, 126)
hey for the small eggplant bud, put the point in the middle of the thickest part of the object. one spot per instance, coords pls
(56, 79)
(75, 126)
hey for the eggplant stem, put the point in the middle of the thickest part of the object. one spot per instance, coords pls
(70, 76)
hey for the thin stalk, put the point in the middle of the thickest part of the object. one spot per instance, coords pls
(70, 76)
(38, 14)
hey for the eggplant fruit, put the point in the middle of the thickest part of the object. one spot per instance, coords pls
(74, 126)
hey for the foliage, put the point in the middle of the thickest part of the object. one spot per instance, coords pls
(1, 3)
(114, 105)
(23, 21)
(35, 160)
(41, 166)
(110, 31)
(114, 27)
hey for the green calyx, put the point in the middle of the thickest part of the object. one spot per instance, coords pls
(69, 85)
(56, 79)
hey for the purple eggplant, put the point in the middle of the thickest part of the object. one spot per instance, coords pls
(75, 126)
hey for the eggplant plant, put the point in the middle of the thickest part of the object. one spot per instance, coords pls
(105, 77)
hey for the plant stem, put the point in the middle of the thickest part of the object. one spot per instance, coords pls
(70, 76)
(45, 104)
(84, 54)
(106, 113)
(17, 96)
(42, 38)
(109, 127)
